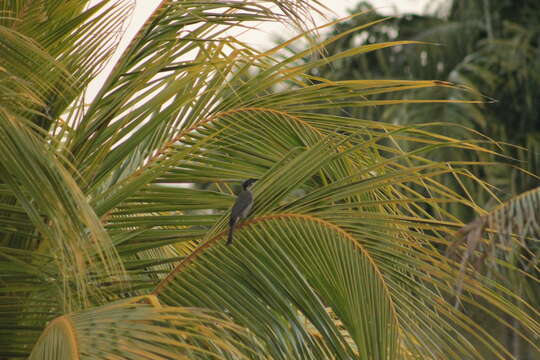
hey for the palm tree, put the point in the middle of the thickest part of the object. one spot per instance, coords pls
(114, 209)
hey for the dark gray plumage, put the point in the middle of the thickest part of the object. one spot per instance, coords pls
(241, 207)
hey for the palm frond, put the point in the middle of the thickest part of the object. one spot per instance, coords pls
(57, 210)
(512, 230)
(341, 244)
(140, 328)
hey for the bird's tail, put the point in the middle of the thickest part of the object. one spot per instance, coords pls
(232, 222)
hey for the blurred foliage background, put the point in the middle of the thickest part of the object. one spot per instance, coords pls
(492, 47)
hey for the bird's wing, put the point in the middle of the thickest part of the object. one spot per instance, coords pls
(242, 205)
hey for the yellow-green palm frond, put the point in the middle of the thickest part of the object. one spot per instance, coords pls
(141, 328)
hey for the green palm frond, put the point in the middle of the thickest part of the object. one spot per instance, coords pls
(345, 244)
(513, 225)
(57, 210)
(140, 328)
(54, 52)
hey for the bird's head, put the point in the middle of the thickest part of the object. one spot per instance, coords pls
(248, 183)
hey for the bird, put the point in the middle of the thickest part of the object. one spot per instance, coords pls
(241, 208)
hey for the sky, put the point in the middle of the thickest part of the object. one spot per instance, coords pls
(387, 7)
(265, 33)
(144, 8)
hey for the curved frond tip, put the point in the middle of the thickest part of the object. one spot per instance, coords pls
(140, 328)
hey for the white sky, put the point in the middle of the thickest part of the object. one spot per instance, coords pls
(264, 33)
(388, 7)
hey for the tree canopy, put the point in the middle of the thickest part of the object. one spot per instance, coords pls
(113, 210)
